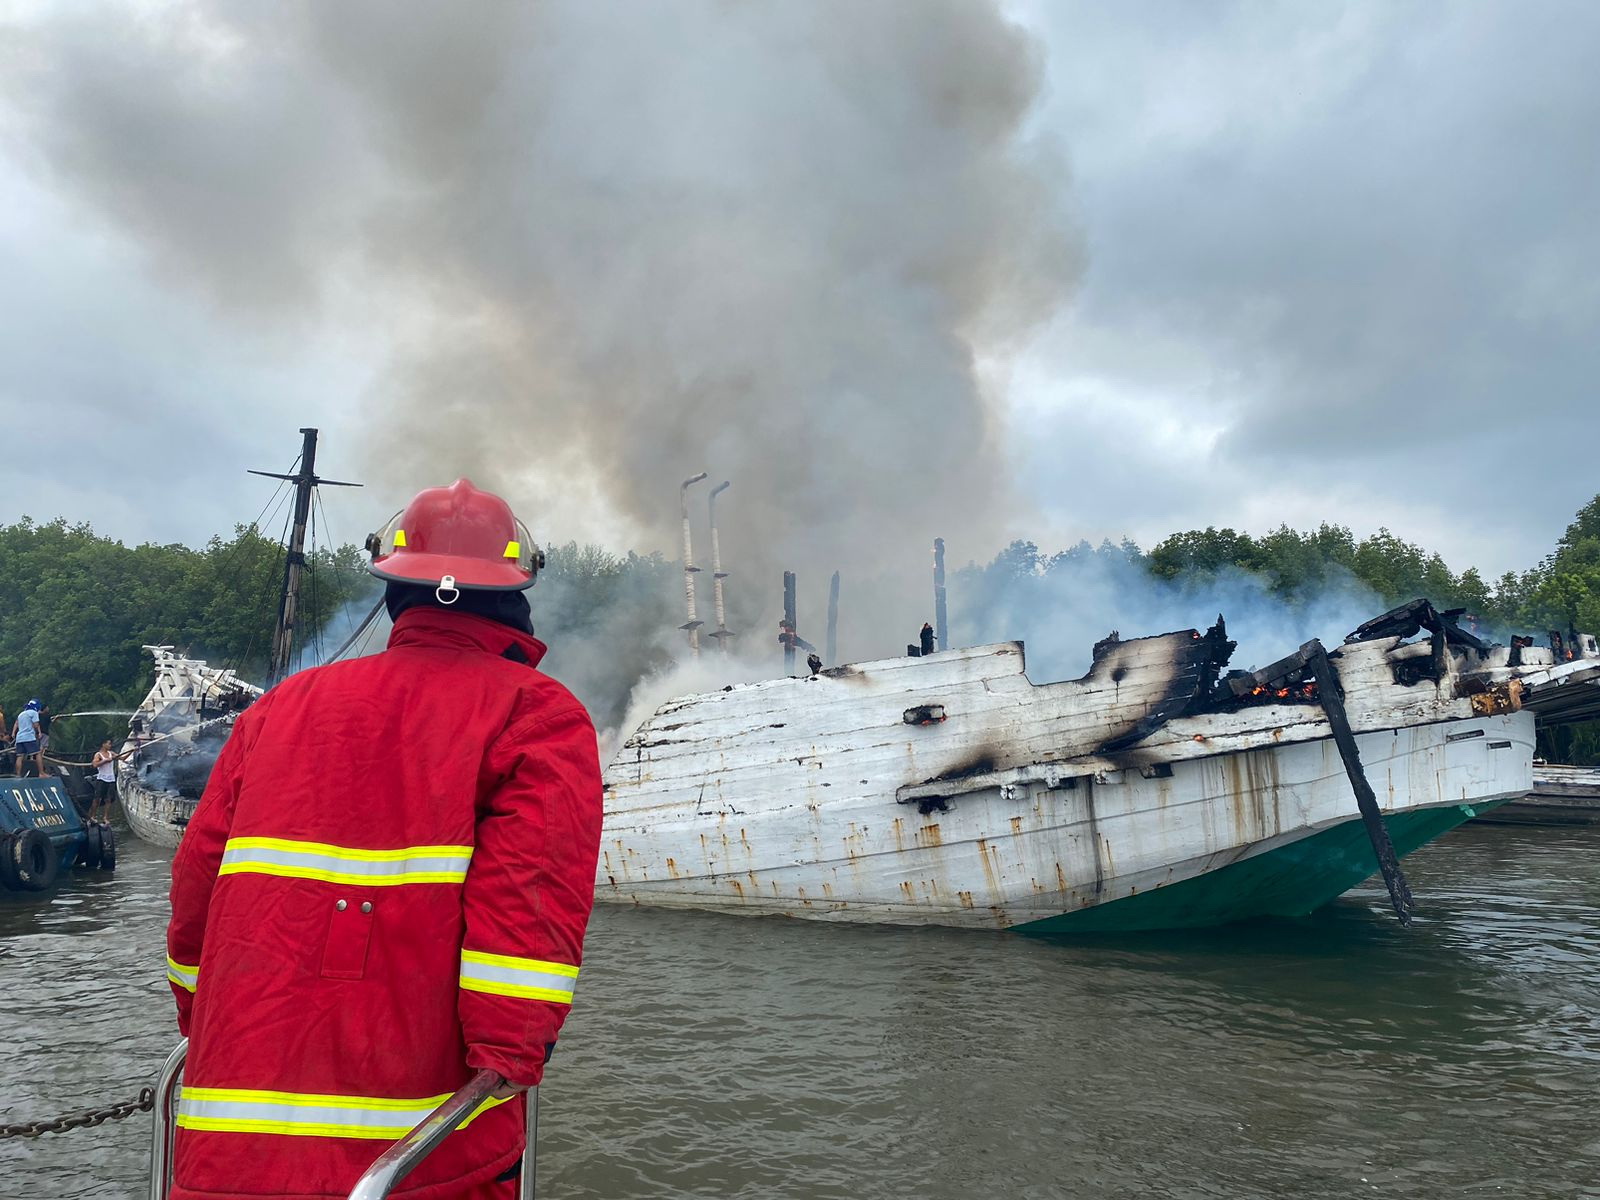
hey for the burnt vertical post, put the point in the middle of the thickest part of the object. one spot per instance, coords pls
(692, 625)
(833, 620)
(941, 622)
(717, 573)
(789, 628)
(294, 560)
(305, 481)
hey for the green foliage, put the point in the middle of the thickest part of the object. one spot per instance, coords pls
(1293, 564)
(75, 608)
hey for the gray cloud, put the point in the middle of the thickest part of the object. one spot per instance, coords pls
(1341, 262)
(1357, 243)
(619, 243)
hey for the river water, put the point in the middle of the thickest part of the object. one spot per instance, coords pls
(1337, 1056)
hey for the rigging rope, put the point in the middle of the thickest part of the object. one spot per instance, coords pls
(226, 566)
(275, 564)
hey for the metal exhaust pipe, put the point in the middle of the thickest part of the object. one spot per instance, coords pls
(790, 630)
(692, 625)
(717, 573)
(833, 621)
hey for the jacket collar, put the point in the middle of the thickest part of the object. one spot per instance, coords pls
(430, 626)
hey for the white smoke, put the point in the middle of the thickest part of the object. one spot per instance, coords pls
(1062, 608)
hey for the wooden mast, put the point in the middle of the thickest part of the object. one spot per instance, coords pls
(305, 482)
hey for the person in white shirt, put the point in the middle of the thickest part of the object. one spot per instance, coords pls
(105, 783)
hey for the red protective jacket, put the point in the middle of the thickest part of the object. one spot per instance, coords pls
(385, 887)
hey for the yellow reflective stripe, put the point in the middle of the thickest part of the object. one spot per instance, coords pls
(184, 976)
(399, 539)
(509, 975)
(353, 854)
(345, 864)
(513, 550)
(296, 1114)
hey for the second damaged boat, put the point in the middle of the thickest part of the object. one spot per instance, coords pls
(1154, 792)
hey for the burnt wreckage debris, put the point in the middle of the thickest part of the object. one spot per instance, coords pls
(1199, 685)
(1408, 620)
(1447, 639)
(1192, 683)
(1306, 677)
(1181, 675)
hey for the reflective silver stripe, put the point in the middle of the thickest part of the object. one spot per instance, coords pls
(508, 975)
(292, 1114)
(184, 977)
(340, 864)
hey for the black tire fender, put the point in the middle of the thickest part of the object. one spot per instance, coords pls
(89, 855)
(108, 849)
(8, 873)
(35, 860)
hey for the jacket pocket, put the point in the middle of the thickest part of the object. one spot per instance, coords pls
(344, 955)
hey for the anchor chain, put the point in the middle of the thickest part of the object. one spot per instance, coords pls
(82, 1120)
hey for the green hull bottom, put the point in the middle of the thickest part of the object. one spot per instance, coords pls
(1291, 881)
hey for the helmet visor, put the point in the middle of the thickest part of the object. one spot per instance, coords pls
(523, 552)
(383, 543)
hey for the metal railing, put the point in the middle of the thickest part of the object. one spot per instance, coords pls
(164, 1127)
(393, 1165)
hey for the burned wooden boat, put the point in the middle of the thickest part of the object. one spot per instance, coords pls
(1157, 791)
(173, 740)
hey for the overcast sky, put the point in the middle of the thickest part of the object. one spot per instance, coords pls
(1300, 262)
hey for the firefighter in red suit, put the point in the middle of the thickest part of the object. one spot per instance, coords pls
(386, 884)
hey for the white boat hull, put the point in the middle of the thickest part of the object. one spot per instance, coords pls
(825, 798)
(992, 861)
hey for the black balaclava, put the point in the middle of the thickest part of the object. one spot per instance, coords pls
(508, 608)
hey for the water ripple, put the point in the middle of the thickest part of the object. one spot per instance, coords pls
(1336, 1056)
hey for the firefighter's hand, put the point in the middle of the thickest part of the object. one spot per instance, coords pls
(506, 1090)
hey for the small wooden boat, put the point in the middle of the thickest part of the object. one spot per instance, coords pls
(1561, 795)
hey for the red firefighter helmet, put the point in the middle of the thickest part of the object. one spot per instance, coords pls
(456, 537)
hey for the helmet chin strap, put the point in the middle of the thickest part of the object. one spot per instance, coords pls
(447, 584)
